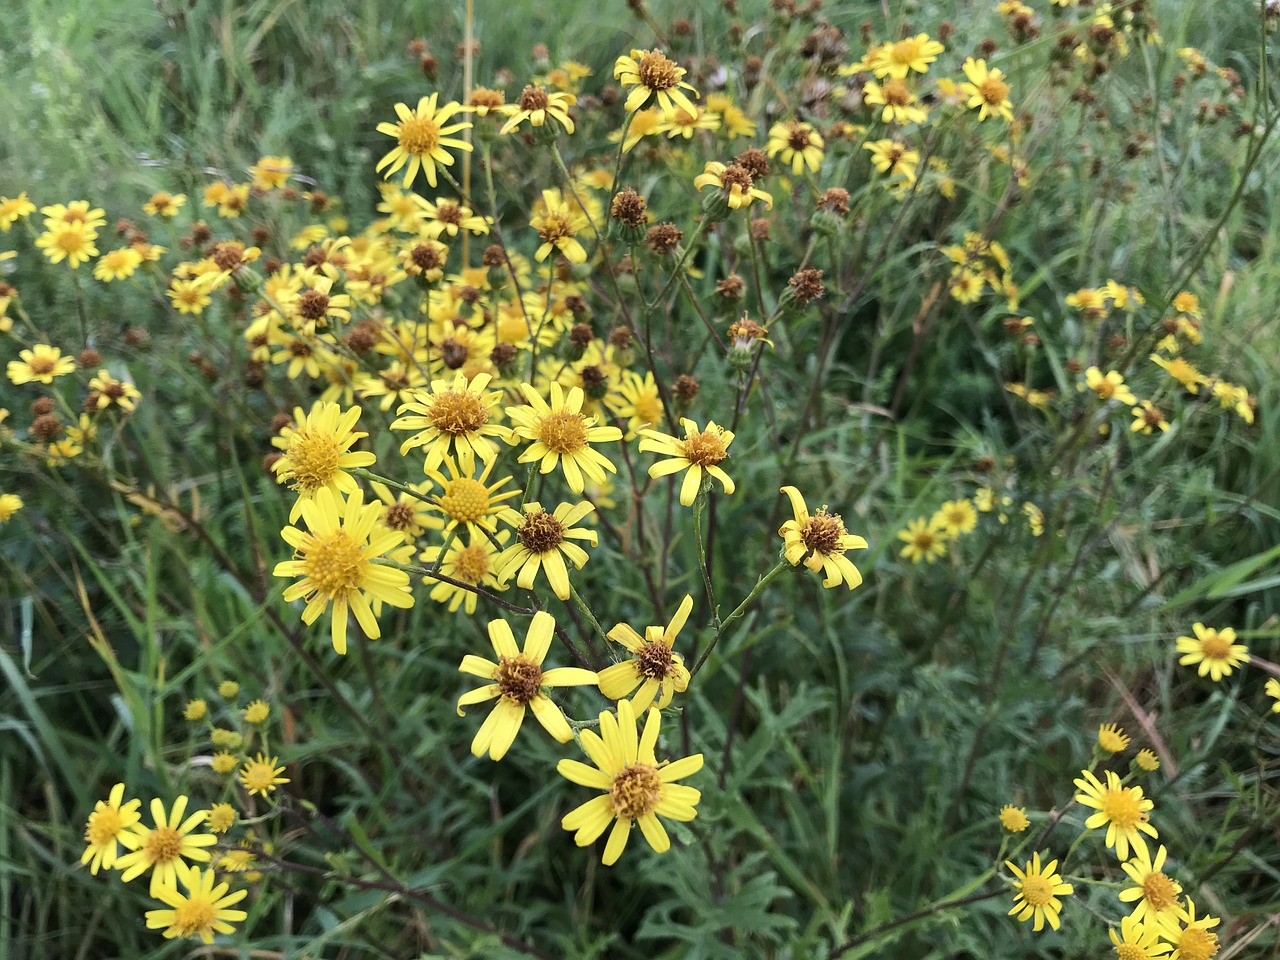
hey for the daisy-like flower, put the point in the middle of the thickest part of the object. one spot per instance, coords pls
(205, 909)
(271, 172)
(1216, 651)
(318, 304)
(900, 104)
(924, 541)
(196, 709)
(1156, 895)
(682, 123)
(163, 848)
(518, 682)
(474, 562)
(558, 225)
(1137, 940)
(1147, 760)
(1108, 386)
(652, 75)
(13, 209)
(987, 91)
(1124, 811)
(1038, 892)
(956, 517)
(543, 540)
(796, 143)
(108, 391)
(699, 450)
(406, 513)
(449, 217)
(655, 668)
(1111, 738)
(538, 106)
(190, 297)
(118, 264)
(465, 499)
(1182, 371)
(637, 401)
(562, 434)
(72, 242)
(334, 557)
(421, 138)
(164, 204)
(41, 364)
(10, 503)
(1014, 819)
(637, 788)
(222, 817)
(77, 211)
(899, 59)
(453, 418)
(257, 712)
(820, 540)
(110, 819)
(894, 159)
(1146, 418)
(261, 775)
(317, 452)
(735, 183)
(1193, 939)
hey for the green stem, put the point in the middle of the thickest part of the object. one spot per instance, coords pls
(698, 506)
(739, 612)
(586, 611)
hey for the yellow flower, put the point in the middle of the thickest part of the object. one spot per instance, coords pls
(1147, 760)
(1111, 738)
(466, 499)
(189, 296)
(1156, 894)
(1215, 650)
(655, 668)
(474, 563)
(1014, 819)
(699, 450)
(1180, 370)
(106, 827)
(164, 204)
(955, 517)
(317, 452)
(924, 541)
(537, 106)
(448, 217)
(820, 540)
(1192, 939)
(898, 101)
(1188, 303)
(162, 848)
(195, 710)
(228, 689)
(518, 682)
(118, 264)
(1035, 518)
(107, 391)
(987, 91)
(542, 540)
(1122, 809)
(261, 775)
(41, 364)
(222, 816)
(1137, 940)
(1272, 689)
(637, 788)
(317, 305)
(223, 762)
(1110, 386)
(735, 183)
(638, 401)
(908, 54)
(893, 158)
(644, 123)
(453, 418)
(13, 209)
(205, 909)
(1146, 418)
(652, 75)
(1038, 893)
(797, 144)
(230, 199)
(225, 738)
(77, 211)
(562, 434)
(421, 137)
(557, 226)
(72, 242)
(271, 172)
(10, 503)
(335, 561)
(257, 712)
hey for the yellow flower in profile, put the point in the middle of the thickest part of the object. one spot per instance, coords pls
(644, 123)
(538, 106)
(195, 710)
(735, 183)
(261, 775)
(205, 909)
(466, 499)
(1156, 895)
(41, 364)
(894, 159)
(1192, 939)
(223, 762)
(900, 104)
(118, 264)
(1014, 819)
(1146, 418)
(10, 503)
(1147, 760)
(257, 712)
(557, 226)
(1137, 940)
(924, 540)
(1182, 371)
(473, 562)
(1216, 651)
(1038, 892)
(1123, 810)
(72, 242)
(518, 682)
(1108, 386)
(796, 143)
(987, 91)
(700, 450)
(105, 828)
(652, 76)
(637, 788)
(638, 401)
(271, 172)
(910, 53)
(682, 123)
(163, 848)
(164, 204)
(453, 418)
(13, 209)
(562, 434)
(543, 541)
(1035, 518)
(655, 667)
(334, 558)
(956, 517)
(317, 452)
(228, 689)
(422, 134)
(1111, 738)
(222, 816)
(820, 540)
(1272, 689)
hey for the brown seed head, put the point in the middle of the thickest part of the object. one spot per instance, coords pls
(662, 238)
(136, 336)
(823, 532)
(312, 305)
(807, 285)
(503, 355)
(88, 358)
(628, 208)
(755, 161)
(760, 230)
(453, 353)
(45, 427)
(581, 335)
(657, 72)
(685, 388)
(41, 406)
(534, 98)
(494, 256)
(731, 287)
(835, 200)
(363, 337)
(540, 532)
(621, 338)
(518, 678)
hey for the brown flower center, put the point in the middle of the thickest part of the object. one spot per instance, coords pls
(563, 431)
(449, 213)
(541, 532)
(335, 564)
(300, 348)
(426, 257)
(924, 539)
(657, 72)
(399, 516)
(655, 660)
(823, 532)
(457, 412)
(312, 305)
(453, 353)
(798, 136)
(735, 175)
(1152, 417)
(895, 93)
(1037, 890)
(534, 98)
(228, 255)
(163, 845)
(993, 91)
(41, 366)
(518, 678)
(1159, 891)
(1105, 389)
(706, 448)
(636, 791)
(418, 135)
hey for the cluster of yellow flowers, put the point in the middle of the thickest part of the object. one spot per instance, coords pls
(928, 538)
(259, 775)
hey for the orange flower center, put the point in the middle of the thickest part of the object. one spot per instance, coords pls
(1037, 890)
(70, 241)
(541, 532)
(465, 500)
(335, 564)
(418, 134)
(823, 532)
(163, 845)
(1105, 389)
(194, 916)
(705, 448)
(657, 72)
(636, 791)
(923, 539)
(563, 431)
(518, 678)
(1159, 891)
(554, 226)
(1197, 944)
(41, 366)
(993, 91)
